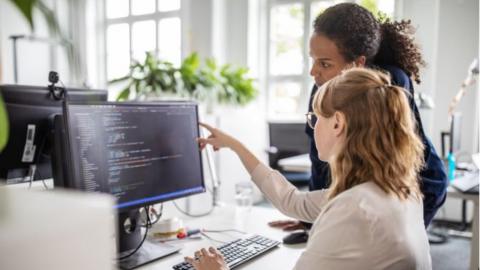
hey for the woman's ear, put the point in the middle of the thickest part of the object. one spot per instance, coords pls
(339, 123)
(360, 61)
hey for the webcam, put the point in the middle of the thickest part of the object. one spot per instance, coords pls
(56, 92)
(53, 77)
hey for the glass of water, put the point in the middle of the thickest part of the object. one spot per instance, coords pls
(244, 195)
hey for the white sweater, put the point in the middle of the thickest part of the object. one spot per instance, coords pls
(361, 228)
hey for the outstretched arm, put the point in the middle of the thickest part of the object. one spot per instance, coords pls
(218, 139)
(301, 205)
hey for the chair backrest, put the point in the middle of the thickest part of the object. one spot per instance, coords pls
(286, 139)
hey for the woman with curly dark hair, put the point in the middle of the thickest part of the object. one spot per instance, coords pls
(347, 35)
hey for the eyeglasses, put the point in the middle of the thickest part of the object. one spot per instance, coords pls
(311, 119)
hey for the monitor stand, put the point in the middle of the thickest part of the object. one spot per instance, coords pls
(130, 236)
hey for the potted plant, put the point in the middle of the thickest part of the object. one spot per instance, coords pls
(207, 83)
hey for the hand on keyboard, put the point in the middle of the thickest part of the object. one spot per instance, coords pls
(229, 255)
(208, 260)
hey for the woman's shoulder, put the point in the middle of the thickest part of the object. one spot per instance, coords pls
(371, 201)
(399, 76)
(365, 197)
(366, 190)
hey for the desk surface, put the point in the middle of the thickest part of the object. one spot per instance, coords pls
(228, 217)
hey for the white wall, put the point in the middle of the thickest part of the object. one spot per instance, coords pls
(447, 31)
(31, 57)
(220, 28)
(457, 46)
(35, 59)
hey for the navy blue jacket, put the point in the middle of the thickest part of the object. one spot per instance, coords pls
(433, 177)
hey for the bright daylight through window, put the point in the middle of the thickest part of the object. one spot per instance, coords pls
(290, 26)
(134, 27)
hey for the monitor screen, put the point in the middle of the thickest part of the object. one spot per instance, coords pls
(142, 153)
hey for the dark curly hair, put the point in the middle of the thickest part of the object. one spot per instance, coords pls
(357, 32)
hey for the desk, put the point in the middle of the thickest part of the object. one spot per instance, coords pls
(300, 163)
(226, 217)
(453, 193)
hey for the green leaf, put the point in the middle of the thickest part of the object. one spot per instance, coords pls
(26, 8)
(51, 19)
(204, 82)
(3, 125)
(192, 61)
(124, 94)
(121, 79)
(211, 63)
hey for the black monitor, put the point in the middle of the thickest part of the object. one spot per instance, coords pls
(142, 153)
(288, 139)
(31, 110)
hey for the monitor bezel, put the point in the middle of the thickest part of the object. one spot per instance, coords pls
(75, 182)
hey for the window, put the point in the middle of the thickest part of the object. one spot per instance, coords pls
(288, 63)
(134, 27)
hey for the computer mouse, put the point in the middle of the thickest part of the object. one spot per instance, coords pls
(295, 238)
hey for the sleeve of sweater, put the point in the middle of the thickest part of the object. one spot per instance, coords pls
(305, 206)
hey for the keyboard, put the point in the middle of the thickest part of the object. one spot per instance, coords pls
(239, 251)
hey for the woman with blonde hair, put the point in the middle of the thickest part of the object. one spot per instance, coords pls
(371, 217)
(347, 34)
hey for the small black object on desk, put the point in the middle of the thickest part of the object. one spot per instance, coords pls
(296, 238)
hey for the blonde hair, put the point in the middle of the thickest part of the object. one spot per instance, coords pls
(381, 143)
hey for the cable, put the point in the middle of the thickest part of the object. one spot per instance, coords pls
(193, 215)
(43, 180)
(31, 173)
(213, 239)
(226, 230)
(197, 215)
(33, 167)
(440, 237)
(144, 237)
(158, 216)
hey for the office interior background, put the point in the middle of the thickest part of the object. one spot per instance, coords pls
(269, 37)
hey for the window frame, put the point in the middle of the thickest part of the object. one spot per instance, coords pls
(304, 79)
(155, 16)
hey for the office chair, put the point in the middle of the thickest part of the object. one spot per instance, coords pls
(288, 139)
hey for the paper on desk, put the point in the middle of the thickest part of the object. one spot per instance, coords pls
(467, 182)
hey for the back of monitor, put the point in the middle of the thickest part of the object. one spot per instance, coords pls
(56, 230)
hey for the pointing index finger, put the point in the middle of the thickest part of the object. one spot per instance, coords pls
(210, 128)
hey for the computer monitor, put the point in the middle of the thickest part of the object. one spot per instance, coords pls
(288, 139)
(142, 153)
(31, 110)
